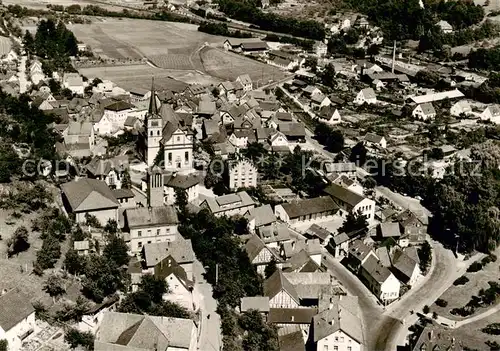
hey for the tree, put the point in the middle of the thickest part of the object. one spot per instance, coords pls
(270, 268)
(373, 50)
(153, 287)
(73, 262)
(18, 242)
(102, 278)
(29, 42)
(425, 256)
(126, 180)
(312, 63)
(111, 227)
(54, 86)
(358, 154)
(355, 224)
(49, 253)
(426, 309)
(116, 250)
(4, 345)
(54, 286)
(170, 309)
(181, 199)
(369, 183)
(76, 338)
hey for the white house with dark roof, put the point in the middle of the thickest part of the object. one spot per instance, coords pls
(137, 332)
(329, 115)
(229, 205)
(339, 327)
(380, 280)
(280, 291)
(109, 170)
(366, 96)
(491, 113)
(90, 197)
(181, 250)
(246, 81)
(424, 111)
(350, 201)
(116, 113)
(148, 225)
(190, 183)
(372, 139)
(74, 82)
(405, 268)
(445, 26)
(259, 254)
(79, 133)
(306, 210)
(17, 318)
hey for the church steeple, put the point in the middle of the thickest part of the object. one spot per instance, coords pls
(153, 108)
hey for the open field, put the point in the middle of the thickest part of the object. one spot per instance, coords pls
(168, 45)
(227, 66)
(138, 77)
(472, 335)
(458, 296)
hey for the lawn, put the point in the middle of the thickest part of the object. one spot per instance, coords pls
(473, 337)
(458, 296)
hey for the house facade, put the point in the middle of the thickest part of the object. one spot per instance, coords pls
(17, 318)
(242, 174)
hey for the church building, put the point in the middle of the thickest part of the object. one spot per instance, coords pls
(166, 138)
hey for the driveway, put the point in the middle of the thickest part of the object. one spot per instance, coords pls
(210, 338)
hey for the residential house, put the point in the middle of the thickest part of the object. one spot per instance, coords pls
(329, 115)
(389, 230)
(111, 171)
(310, 90)
(82, 247)
(150, 225)
(79, 133)
(241, 174)
(229, 205)
(245, 80)
(306, 210)
(259, 254)
(491, 113)
(242, 137)
(180, 287)
(366, 96)
(380, 280)
(413, 227)
(317, 232)
(74, 82)
(276, 234)
(436, 337)
(116, 113)
(358, 254)
(405, 268)
(372, 139)
(349, 201)
(338, 245)
(280, 291)
(181, 250)
(36, 72)
(17, 318)
(446, 28)
(278, 139)
(138, 332)
(320, 100)
(90, 197)
(443, 95)
(300, 262)
(259, 217)
(347, 169)
(461, 108)
(190, 183)
(320, 48)
(349, 184)
(206, 108)
(424, 111)
(294, 131)
(339, 327)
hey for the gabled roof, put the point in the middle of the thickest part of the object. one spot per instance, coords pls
(378, 272)
(245, 79)
(373, 138)
(427, 108)
(142, 332)
(317, 231)
(180, 249)
(300, 262)
(305, 207)
(299, 315)
(168, 266)
(183, 181)
(284, 116)
(263, 215)
(343, 194)
(118, 106)
(292, 341)
(254, 246)
(452, 94)
(368, 93)
(390, 229)
(404, 264)
(277, 282)
(344, 315)
(292, 129)
(79, 128)
(88, 194)
(15, 306)
(144, 217)
(359, 250)
(102, 167)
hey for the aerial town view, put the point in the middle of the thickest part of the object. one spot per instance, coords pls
(249, 175)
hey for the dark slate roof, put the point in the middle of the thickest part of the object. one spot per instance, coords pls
(292, 342)
(89, 194)
(15, 306)
(118, 106)
(277, 282)
(294, 129)
(146, 217)
(309, 206)
(291, 315)
(182, 181)
(123, 193)
(343, 194)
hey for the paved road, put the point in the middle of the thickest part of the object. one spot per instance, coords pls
(210, 335)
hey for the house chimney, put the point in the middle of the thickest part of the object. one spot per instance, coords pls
(293, 318)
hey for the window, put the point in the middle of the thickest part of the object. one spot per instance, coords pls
(149, 232)
(335, 348)
(157, 132)
(151, 133)
(170, 158)
(139, 233)
(325, 348)
(157, 231)
(178, 138)
(167, 230)
(349, 348)
(186, 157)
(149, 241)
(341, 339)
(139, 244)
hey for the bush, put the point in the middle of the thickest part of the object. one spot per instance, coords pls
(488, 259)
(441, 303)
(426, 309)
(475, 267)
(461, 281)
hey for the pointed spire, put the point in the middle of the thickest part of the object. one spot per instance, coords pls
(153, 109)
